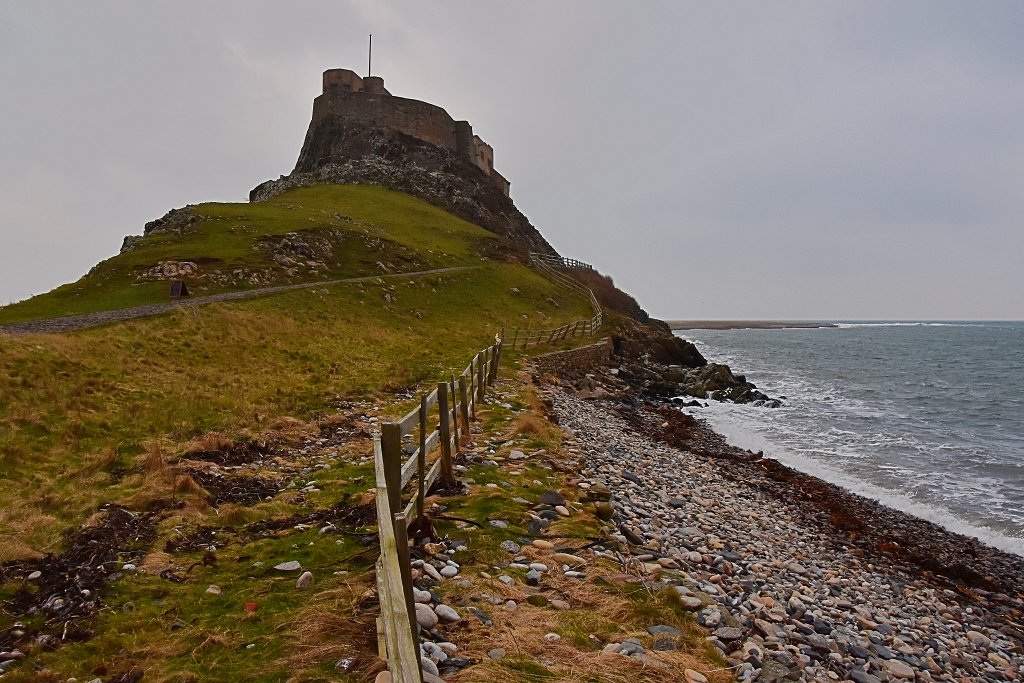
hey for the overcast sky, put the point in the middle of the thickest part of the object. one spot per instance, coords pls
(792, 160)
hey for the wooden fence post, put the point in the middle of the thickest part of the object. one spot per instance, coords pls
(455, 414)
(464, 406)
(495, 354)
(447, 469)
(472, 388)
(402, 541)
(421, 458)
(515, 336)
(482, 356)
(391, 451)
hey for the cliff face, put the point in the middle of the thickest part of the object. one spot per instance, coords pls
(345, 150)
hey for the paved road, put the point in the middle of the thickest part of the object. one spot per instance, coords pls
(69, 323)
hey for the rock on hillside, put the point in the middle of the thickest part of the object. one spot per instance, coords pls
(346, 151)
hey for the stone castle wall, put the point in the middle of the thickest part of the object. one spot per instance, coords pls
(412, 117)
(347, 95)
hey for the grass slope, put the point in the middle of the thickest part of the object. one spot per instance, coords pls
(101, 395)
(352, 230)
(239, 432)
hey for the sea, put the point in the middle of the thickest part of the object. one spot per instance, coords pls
(925, 417)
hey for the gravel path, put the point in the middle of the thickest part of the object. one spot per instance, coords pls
(70, 323)
(783, 599)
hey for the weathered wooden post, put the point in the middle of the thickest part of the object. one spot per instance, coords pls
(421, 457)
(464, 406)
(495, 355)
(447, 469)
(472, 388)
(397, 613)
(482, 360)
(455, 414)
(391, 451)
(404, 562)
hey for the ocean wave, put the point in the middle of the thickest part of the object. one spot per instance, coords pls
(739, 435)
(928, 422)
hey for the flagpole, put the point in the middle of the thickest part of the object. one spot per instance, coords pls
(369, 58)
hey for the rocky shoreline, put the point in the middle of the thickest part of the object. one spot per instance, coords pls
(798, 579)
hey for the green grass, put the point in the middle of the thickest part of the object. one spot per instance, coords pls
(70, 398)
(81, 415)
(364, 226)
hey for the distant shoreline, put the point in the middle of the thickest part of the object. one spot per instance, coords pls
(745, 324)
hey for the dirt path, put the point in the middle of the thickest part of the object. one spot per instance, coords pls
(69, 323)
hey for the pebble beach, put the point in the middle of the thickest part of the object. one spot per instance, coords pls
(785, 589)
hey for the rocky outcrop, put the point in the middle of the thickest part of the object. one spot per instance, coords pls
(345, 151)
(714, 380)
(647, 361)
(175, 220)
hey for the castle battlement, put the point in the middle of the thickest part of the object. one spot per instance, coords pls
(347, 95)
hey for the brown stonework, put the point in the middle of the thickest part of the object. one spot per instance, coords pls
(346, 95)
(581, 359)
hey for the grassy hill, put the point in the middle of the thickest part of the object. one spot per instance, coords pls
(157, 470)
(324, 232)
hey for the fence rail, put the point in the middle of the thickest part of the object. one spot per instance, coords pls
(551, 267)
(559, 261)
(457, 402)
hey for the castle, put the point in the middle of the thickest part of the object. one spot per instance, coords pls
(361, 134)
(348, 96)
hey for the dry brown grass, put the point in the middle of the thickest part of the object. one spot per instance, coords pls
(599, 615)
(331, 627)
(21, 521)
(530, 424)
(161, 481)
(335, 420)
(209, 442)
(185, 485)
(155, 562)
(104, 461)
(291, 428)
(533, 421)
(155, 464)
(13, 549)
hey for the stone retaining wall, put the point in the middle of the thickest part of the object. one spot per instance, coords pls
(575, 360)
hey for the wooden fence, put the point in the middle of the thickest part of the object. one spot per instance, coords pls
(456, 402)
(552, 266)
